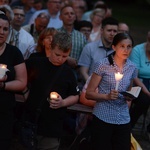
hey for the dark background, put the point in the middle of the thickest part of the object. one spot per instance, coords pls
(136, 13)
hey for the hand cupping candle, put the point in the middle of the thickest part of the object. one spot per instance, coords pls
(3, 70)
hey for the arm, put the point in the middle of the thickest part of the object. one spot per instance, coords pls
(20, 81)
(85, 101)
(84, 72)
(91, 90)
(59, 102)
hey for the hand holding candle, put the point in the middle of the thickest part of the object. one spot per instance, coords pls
(3, 70)
(118, 77)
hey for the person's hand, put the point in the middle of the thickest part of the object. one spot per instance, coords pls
(3, 79)
(2, 82)
(56, 103)
(113, 95)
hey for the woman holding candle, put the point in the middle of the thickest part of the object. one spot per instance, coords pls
(111, 119)
(14, 80)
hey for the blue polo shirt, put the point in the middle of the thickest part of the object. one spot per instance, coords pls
(93, 52)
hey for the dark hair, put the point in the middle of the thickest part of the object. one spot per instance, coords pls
(109, 21)
(83, 23)
(4, 17)
(102, 6)
(121, 36)
(65, 6)
(17, 7)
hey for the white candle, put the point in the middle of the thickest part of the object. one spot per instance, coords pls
(53, 95)
(118, 77)
(3, 69)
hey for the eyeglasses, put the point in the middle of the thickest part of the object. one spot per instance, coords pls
(85, 30)
(99, 16)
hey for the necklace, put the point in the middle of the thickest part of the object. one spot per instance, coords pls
(2, 48)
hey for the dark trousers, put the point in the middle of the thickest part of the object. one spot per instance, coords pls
(107, 136)
(139, 107)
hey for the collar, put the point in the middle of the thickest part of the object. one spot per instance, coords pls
(101, 45)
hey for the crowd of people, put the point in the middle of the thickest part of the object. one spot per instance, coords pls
(62, 46)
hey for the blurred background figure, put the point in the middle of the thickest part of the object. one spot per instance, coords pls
(28, 9)
(8, 11)
(98, 4)
(43, 46)
(85, 27)
(80, 7)
(40, 23)
(53, 10)
(67, 15)
(96, 16)
(38, 4)
(5, 2)
(140, 55)
(22, 38)
(123, 27)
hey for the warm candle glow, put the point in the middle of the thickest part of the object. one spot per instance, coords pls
(118, 77)
(53, 95)
(3, 69)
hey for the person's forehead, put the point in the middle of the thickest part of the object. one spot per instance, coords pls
(110, 26)
(68, 8)
(18, 10)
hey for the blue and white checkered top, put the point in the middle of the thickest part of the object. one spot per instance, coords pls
(113, 111)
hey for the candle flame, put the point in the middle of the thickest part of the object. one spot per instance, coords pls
(3, 66)
(53, 95)
(118, 76)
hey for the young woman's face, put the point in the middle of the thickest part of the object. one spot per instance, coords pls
(4, 30)
(123, 48)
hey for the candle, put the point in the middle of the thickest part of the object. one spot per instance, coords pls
(118, 77)
(53, 95)
(3, 70)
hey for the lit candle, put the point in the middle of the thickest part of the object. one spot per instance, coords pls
(53, 95)
(3, 70)
(118, 77)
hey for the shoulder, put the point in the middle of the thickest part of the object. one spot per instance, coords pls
(12, 48)
(24, 33)
(27, 27)
(93, 45)
(131, 63)
(139, 47)
(102, 62)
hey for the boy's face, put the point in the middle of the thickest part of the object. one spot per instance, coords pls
(58, 57)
